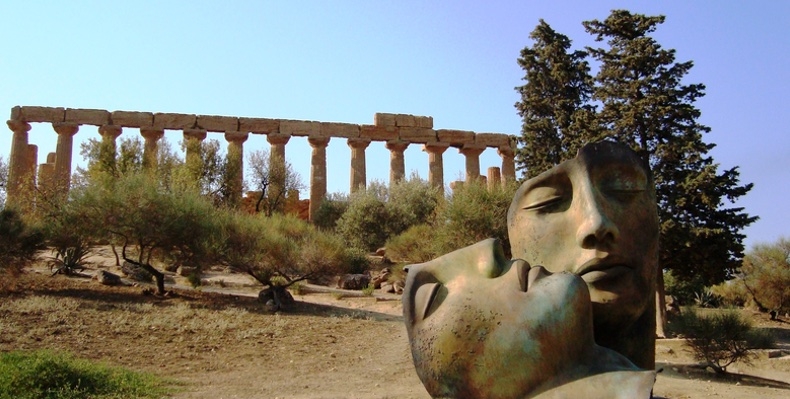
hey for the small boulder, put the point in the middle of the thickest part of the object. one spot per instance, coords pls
(107, 278)
(135, 272)
(381, 251)
(398, 285)
(353, 281)
(387, 288)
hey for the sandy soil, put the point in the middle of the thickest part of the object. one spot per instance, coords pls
(216, 345)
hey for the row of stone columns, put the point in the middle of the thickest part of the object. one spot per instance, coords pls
(21, 174)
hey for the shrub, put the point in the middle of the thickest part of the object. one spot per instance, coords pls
(18, 242)
(366, 222)
(720, 338)
(732, 293)
(472, 214)
(685, 290)
(413, 245)
(48, 375)
(330, 211)
(766, 275)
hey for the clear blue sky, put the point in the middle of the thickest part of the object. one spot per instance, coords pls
(346, 60)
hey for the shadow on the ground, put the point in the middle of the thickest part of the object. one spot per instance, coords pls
(698, 372)
(106, 298)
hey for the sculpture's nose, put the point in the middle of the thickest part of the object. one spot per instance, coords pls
(596, 228)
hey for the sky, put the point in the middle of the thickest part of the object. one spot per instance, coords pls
(344, 61)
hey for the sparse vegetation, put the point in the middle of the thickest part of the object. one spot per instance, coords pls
(720, 339)
(19, 242)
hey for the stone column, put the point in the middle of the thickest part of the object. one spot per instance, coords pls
(235, 170)
(150, 149)
(508, 164)
(436, 163)
(31, 163)
(277, 164)
(358, 178)
(317, 173)
(472, 153)
(107, 151)
(278, 142)
(66, 132)
(493, 179)
(193, 138)
(16, 162)
(397, 165)
(46, 174)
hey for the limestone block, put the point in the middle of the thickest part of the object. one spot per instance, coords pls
(379, 133)
(214, 123)
(174, 121)
(492, 139)
(403, 120)
(382, 119)
(259, 125)
(132, 119)
(456, 138)
(345, 130)
(300, 128)
(38, 114)
(81, 116)
(417, 135)
(424, 121)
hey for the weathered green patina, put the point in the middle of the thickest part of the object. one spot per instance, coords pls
(581, 324)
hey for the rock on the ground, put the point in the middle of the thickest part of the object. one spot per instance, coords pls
(353, 281)
(107, 278)
(135, 272)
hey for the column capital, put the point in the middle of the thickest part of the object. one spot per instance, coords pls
(435, 148)
(197, 134)
(236, 137)
(66, 128)
(397, 145)
(472, 149)
(152, 133)
(506, 152)
(112, 131)
(18, 126)
(358, 143)
(278, 138)
(318, 141)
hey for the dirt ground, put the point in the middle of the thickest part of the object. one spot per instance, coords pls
(216, 345)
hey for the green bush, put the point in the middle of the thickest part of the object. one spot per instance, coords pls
(473, 213)
(720, 338)
(732, 293)
(49, 375)
(18, 242)
(330, 211)
(415, 245)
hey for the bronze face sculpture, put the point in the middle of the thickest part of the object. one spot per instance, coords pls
(482, 326)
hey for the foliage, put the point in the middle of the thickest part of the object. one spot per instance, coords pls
(721, 338)
(330, 211)
(3, 181)
(180, 226)
(472, 214)
(684, 290)
(281, 250)
(70, 230)
(366, 222)
(380, 212)
(706, 299)
(19, 242)
(51, 375)
(369, 290)
(414, 245)
(766, 275)
(554, 102)
(732, 293)
(639, 98)
(273, 180)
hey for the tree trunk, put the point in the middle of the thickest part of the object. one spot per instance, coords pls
(661, 306)
(115, 252)
(158, 276)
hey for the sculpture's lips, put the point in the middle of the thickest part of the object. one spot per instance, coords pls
(601, 269)
(527, 275)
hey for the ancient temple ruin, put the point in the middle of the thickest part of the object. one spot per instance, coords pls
(398, 131)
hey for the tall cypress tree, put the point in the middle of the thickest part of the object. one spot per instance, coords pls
(646, 104)
(554, 102)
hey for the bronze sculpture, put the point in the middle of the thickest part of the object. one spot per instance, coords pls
(573, 310)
